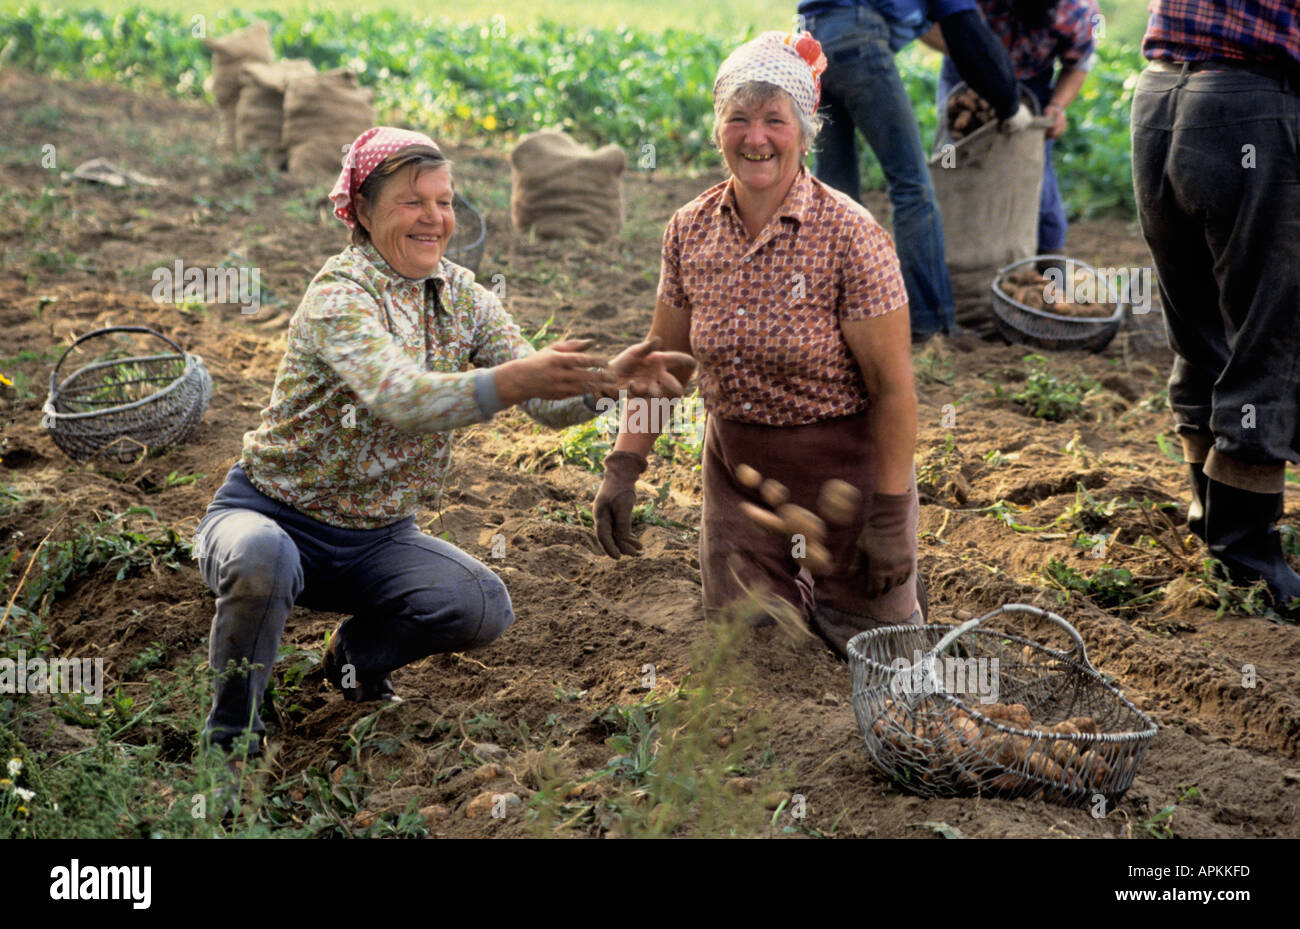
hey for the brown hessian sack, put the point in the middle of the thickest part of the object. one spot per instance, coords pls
(562, 189)
(324, 113)
(229, 55)
(259, 115)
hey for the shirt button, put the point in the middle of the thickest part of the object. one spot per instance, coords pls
(746, 259)
(736, 360)
(740, 312)
(748, 406)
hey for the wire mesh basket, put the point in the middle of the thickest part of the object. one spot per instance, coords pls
(961, 710)
(1054, 331)
(124, 406)
(466, 245)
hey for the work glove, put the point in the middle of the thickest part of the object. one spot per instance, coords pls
(886, 544)
(613, 507)
(1017, 121)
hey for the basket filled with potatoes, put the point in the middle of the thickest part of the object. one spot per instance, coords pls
(969, 711)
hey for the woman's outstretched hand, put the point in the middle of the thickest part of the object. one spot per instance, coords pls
(643, 370)
(557, 372)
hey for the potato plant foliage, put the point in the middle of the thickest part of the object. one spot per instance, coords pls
(648, 92)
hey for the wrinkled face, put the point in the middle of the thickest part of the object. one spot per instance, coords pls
(762, 143)
(411, 220)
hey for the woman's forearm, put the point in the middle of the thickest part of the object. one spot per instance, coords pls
(894, 426)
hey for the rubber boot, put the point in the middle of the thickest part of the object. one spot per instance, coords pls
(1240, 531)
(1196, 511)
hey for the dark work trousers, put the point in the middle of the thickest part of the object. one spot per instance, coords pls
(737, 558)
(410, 595)
(1217, 177)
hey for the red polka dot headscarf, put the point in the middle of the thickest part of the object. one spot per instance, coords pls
(792, 61)
(364, 155)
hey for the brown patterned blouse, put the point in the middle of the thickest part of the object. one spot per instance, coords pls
(378, 372)
(765, 313)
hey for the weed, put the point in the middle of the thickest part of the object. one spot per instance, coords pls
(1109, 587)
(1161, 824)
(1049, 397)
(152, 657)
(586, 445)
(544, 335)
(672, 772)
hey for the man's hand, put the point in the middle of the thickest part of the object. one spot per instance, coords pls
(1017, 121)
(643, 371)
(559, 371)
(1057, 112)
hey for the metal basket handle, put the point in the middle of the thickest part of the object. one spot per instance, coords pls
(54, 374)
(928, 660)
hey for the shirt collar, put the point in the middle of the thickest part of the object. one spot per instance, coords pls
(385, 276)
(796, 205)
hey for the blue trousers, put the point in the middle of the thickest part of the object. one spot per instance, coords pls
(410, 595)
(862, 91)
(1052, 224)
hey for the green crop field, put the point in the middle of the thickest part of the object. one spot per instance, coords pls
(645, 88)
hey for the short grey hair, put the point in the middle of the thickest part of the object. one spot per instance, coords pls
(756, 93)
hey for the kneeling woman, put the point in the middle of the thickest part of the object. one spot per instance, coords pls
(391, 348)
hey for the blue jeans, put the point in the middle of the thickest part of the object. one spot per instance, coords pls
(1052, 224)
(411, 595)
(862, 90)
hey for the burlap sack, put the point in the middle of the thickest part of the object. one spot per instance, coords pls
(323, 113)
(259, 115)
(561, 189)
(229, 55)
(988, 187)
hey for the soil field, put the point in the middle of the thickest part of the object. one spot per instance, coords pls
(545, 712)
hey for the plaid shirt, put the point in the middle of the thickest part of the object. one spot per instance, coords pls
(765, 313)
(376, 376)
(1260, 31)
(1032, 51)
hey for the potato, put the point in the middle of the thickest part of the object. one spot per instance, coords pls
(802, 521)
(1014, 714)
(748, 477)
(966, 731)
(817, 558)
(1092, 768)
(764, 519)
(774, 493)
(1067, 727)
(1040, 765)
(1083, 724)
(1064, 753)
(1005, 784)
(839, 502)
(1010, 750)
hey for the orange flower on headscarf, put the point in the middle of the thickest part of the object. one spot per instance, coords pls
(810, 50)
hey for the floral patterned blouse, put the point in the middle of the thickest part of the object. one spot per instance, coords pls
(379, 370)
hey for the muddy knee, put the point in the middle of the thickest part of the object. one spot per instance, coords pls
(264, 562)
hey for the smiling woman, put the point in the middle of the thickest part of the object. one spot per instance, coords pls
(789, 295)
(392, 348)
(408, 201)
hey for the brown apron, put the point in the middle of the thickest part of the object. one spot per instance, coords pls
(737, 559)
